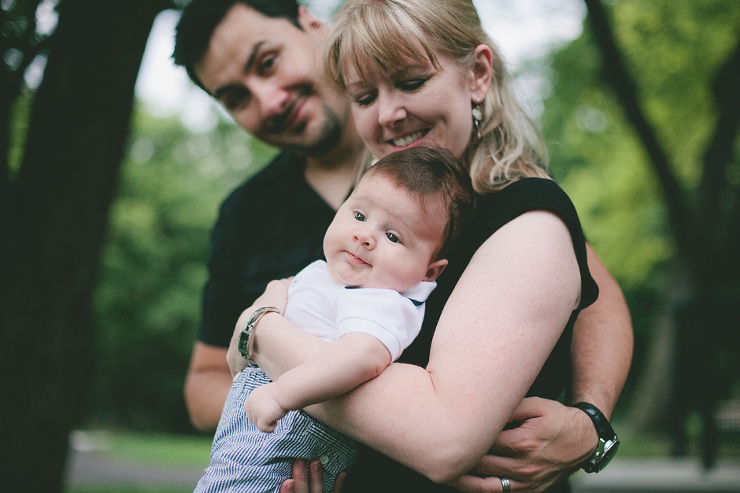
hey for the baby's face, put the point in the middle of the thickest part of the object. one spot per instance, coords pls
(381, 237)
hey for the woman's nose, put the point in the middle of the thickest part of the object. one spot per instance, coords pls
(390, 112)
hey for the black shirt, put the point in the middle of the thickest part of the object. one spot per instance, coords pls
(269, 228)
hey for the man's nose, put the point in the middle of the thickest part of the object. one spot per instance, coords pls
(273, 100)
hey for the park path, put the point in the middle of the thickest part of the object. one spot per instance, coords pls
(624, 475)
(92, 468)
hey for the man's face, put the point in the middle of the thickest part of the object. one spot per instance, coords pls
(267, 74)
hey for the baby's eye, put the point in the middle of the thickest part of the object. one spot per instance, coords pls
(359, 216)
(392, 237)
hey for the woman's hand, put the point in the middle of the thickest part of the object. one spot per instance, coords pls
(309, 479)
(276, 294)
(549, 443)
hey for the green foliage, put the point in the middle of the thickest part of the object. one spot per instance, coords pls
(673, 49)
(147, 304)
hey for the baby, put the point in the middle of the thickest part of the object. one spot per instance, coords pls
(384, 250)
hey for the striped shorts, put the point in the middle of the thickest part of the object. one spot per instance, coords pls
(243, 459)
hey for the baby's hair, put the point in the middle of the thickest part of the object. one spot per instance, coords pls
(430, 173)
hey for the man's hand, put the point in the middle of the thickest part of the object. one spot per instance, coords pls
(309, 479)
(263, 409)
(549, 442)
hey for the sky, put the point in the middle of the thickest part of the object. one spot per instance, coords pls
(523, 29)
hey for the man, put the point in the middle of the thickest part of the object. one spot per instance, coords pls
(262, 60)
(268, 79)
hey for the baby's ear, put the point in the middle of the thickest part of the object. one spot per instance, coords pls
(435, 269)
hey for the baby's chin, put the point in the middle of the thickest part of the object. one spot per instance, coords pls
(349, 281)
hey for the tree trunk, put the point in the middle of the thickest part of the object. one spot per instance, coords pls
(79, 125)
(700, 319)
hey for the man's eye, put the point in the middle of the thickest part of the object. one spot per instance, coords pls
(393, 238)
(235, 98)
(268, 63)
(359, 216)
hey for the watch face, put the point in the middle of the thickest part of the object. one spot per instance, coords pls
(610, 450)
(244, 343)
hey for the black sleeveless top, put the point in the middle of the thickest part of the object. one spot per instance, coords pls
(373, 472)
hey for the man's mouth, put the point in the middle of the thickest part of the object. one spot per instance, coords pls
(404, 141)
(288, 118)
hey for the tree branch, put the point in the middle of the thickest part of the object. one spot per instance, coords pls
(719, 151)
(616, 74)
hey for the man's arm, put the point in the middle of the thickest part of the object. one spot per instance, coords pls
(206, 385)
(603, 341)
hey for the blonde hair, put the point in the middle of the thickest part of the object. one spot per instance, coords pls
(384, 34)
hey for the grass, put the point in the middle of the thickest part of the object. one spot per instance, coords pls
(161, 448)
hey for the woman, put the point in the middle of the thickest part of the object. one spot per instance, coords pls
(424, 72)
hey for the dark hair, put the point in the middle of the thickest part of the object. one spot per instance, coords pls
(432, 172)
(201, 17)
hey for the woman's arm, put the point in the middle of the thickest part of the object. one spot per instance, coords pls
(554, 439)
(335, 369)
(495, 333)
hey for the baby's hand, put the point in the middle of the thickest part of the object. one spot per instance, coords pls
(263, 409)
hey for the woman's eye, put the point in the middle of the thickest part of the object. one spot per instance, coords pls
(359, 216)
(365, 100)
(393, 238)
(411, 85)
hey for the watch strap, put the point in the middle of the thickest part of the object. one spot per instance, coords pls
(603, 428)
(248, 331)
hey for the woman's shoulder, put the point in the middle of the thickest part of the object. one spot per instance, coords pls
(522, 196)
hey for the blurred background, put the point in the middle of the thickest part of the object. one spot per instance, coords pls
(114, 165)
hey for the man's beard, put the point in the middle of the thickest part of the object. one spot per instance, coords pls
(328, 138)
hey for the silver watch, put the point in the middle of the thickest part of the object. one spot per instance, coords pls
(248, 330)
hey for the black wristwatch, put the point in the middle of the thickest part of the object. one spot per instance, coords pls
(608, 441)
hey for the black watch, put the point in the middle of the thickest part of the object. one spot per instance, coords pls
(608, 441)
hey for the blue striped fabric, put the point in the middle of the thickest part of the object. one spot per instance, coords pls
(245, 460)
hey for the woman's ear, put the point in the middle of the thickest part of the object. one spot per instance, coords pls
(482, 72)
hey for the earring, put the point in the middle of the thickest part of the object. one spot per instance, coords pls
(477, 118)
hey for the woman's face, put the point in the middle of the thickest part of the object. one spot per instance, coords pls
(419, 105)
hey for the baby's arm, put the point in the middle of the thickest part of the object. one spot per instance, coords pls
(336, 369)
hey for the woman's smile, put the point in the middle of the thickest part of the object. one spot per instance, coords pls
(408, 139)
